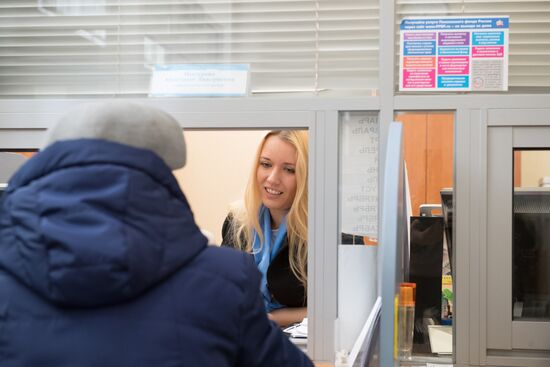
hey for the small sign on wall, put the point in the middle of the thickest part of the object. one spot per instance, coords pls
(200, 80)
(454, 54)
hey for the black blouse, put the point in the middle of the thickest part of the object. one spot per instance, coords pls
(284, 286)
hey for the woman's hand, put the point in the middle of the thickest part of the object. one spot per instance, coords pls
(288, 315)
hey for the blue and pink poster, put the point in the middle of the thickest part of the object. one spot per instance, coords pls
(454, 54)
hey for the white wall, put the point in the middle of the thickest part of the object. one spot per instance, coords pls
(217, 170)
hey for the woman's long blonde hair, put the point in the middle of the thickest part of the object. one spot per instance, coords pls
(246, 219)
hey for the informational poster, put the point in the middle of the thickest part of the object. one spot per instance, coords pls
(359, 174)
(454, 54)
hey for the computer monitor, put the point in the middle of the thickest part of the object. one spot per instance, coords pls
(531, 254)
(447, 209)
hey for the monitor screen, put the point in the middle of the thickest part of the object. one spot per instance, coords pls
(447, 208)
(531, 254)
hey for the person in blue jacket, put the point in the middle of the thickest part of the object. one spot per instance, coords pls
(102, 264)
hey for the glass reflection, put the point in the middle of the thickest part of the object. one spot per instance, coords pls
(531, 235)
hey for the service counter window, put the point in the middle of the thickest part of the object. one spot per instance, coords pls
(530, 236)
(428, 152)
(231, 173)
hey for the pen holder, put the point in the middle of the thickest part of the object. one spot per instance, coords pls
(405, 320)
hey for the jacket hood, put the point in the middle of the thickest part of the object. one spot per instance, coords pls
(90, 222)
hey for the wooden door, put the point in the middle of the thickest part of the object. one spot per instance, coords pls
(428, 145)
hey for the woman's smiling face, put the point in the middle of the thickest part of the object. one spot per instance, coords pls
(276, 175)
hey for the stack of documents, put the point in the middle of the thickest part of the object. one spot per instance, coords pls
(297, 330)
(441, 339)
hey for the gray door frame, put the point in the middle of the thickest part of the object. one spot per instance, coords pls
(485, 332)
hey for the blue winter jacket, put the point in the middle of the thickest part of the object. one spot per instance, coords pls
(102, 264)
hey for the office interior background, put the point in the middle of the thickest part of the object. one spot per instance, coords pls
(331, 67)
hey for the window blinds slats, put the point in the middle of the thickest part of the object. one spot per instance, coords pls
(36, 43)
(106, 74)
(192, 48)
(356, 27)
(64, 4)
(34, 65)
(283, 46)
(100, 5)
(529, 41)
(271, 8)
(112, 22)
(109, 47)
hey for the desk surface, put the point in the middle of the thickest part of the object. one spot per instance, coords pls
(417, 361)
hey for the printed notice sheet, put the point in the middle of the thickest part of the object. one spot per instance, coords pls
(454, 54)
(199, 80)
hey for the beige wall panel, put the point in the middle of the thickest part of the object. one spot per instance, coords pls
(217, 170)
(534, 165)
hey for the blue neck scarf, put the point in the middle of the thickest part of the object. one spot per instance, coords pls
(265, 252)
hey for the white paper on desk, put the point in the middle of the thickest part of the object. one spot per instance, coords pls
(437, 365)
(441, 339)
(298, 330)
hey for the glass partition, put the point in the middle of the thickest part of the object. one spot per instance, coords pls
(531, 236)
(358, 224)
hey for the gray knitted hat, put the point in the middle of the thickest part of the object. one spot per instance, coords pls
(127, 123)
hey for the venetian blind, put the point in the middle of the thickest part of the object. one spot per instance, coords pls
(54, 48)
(529, 51)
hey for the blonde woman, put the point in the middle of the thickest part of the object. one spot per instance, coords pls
(272, 224)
